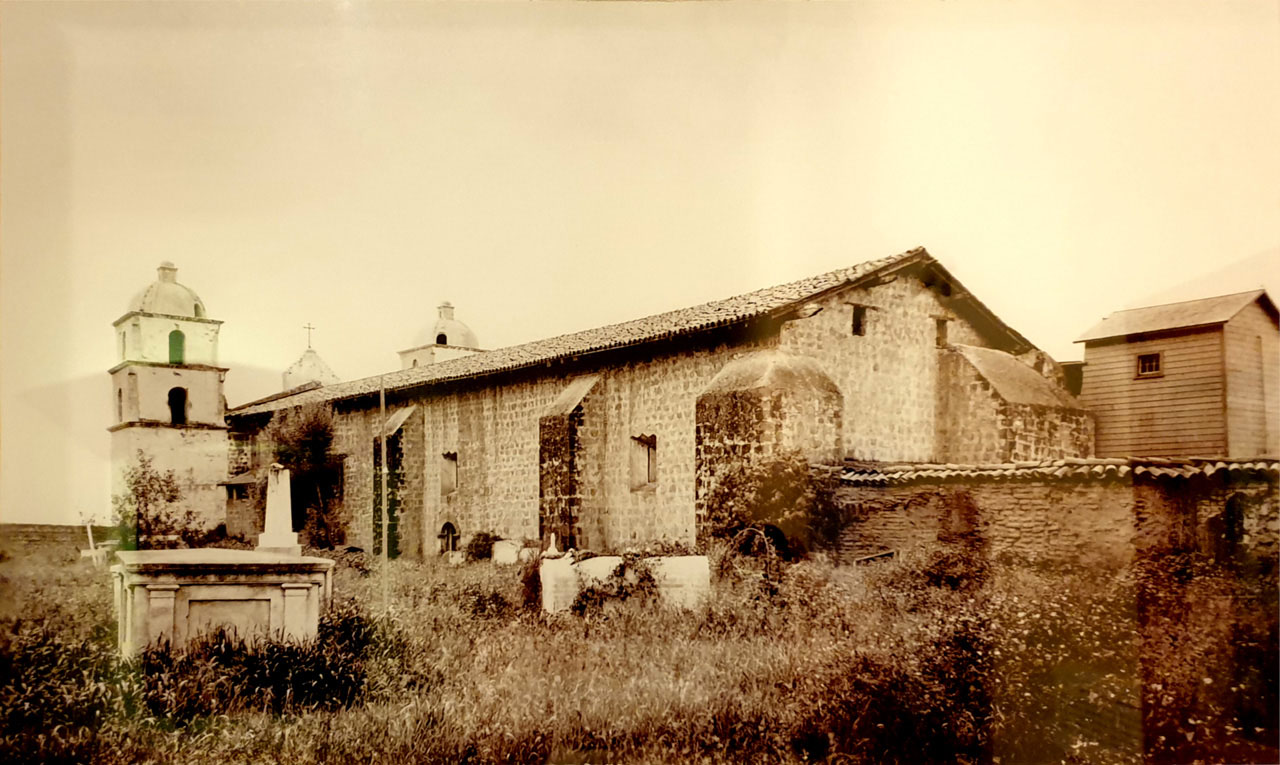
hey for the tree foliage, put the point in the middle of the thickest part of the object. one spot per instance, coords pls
(146, 514)
(303, 444)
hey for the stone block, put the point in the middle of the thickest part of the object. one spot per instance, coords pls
(506, 552)
(596, 571)
(559, 584)
(683, 581)
(175, 595)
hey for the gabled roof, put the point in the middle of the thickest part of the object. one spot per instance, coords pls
(1016, 382)
(1185, 315)
(771, 301)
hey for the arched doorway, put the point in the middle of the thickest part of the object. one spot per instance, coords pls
(178, 406)
(448, 538)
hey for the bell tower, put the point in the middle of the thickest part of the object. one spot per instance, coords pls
(167, 394)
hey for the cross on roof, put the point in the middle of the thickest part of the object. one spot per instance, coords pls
(308, 328)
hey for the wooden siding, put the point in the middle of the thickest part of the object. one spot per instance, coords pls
(1252, 344)
(1178, 413)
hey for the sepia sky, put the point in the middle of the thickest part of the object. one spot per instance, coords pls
(550, 167)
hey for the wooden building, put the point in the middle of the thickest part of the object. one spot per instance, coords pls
(1197, 378)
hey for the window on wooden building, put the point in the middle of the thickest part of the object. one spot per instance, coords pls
(1149, 365)
(940, 338)
(448, 473)
(644, 461)
(859, 325)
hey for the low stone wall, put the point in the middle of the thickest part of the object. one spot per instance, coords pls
(1075, 520)
(1190, 546)
(31, 536)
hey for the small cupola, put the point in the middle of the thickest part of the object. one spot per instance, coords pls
(445, 339)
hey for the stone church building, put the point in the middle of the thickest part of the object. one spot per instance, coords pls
(613, 437)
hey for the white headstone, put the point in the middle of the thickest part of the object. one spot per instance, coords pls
(506, 551)
(683, 581)
(277, 533)
(598, 570)
(559, 584)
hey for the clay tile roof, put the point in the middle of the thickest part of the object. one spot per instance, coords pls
(1091, 469)
(1187, 314)
(718, 313)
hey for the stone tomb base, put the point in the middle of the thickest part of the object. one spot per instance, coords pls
(682, 581)
(175, 595)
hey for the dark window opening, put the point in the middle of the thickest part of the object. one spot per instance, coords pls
(239, 491)
(859, 327)
(119, 405)
(441, 339)
(178, 406)
(415, 362)
(448, 473)
(448, 538)
(177, 346)
(941, 338)
(644, 461)
(1149, 365)
(1226, 530)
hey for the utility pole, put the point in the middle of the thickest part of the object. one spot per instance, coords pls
(386, 543)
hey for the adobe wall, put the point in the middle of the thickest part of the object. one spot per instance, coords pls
(1075, 521)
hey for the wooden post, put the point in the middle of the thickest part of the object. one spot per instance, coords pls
(386, 542)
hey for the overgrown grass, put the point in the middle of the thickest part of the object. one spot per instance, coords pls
(935, 658)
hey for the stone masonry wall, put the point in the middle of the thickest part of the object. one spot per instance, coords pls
(969, 416)
(1071, 520)
(889, 375)
(887, 378)
(976, 426)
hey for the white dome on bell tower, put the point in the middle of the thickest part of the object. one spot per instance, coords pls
(446, 339)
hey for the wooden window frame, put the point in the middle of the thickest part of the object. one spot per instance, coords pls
(1138, 374)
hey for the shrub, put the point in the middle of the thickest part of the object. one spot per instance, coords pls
(55, 693)
(221, 673)
(480, 546)
(780, 497)
(145, 516)
(303, 444)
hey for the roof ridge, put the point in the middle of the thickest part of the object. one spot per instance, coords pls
(1257, 290)
(699, 317)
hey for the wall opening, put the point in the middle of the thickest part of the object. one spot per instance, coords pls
(644, 461)
(448, 538)
(441, 339)
(178, 406)
(859, 324)
(940, 336)
(119, 405)
(1225, 531)
(448, 473)
(177, 347)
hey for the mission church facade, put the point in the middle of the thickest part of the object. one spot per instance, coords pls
(616, 436)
